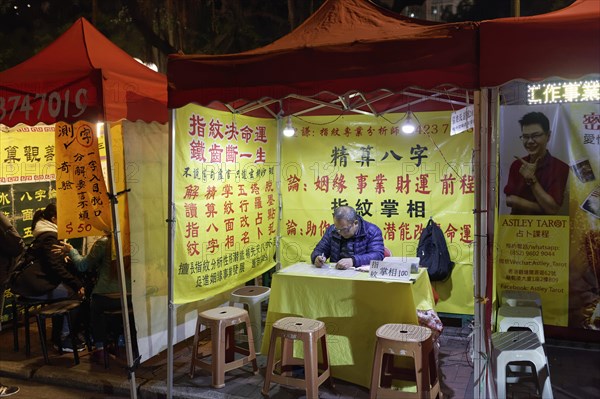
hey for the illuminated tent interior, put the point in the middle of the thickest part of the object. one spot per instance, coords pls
(350, 57)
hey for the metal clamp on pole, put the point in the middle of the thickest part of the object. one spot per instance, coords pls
(113, 197)
(134, 366)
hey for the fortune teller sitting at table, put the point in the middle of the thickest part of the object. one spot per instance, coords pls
(350, 241)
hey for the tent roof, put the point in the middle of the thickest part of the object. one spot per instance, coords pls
(564, 43)
(345, 46)
(82, 75)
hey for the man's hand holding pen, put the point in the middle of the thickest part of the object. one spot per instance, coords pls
(320, 260)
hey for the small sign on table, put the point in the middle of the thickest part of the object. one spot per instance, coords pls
(394, 269)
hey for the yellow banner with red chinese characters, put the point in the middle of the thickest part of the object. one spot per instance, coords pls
(225, 200)
(82, 201)
(27, 154)
(548, 230)
(393, 180)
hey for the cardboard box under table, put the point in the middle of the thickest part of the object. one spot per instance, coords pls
(352, 305)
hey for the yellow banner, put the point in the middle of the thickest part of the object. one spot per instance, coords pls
(82, 201)
(394, 180)
(119, 171)
(225, 200)
(27, 154)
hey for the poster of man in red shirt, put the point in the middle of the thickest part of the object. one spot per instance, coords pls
(536, 180)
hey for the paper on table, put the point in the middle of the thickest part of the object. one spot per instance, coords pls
(327, 270)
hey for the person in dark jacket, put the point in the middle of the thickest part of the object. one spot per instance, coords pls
(49, 278)
(106, 292)
(350, 241)
(11, 246)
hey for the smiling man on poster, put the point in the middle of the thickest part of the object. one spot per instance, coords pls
(536, 182)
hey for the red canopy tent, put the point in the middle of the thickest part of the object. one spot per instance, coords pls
(349, 56)
(350, 45)
(81, 76)
(564, 43)
(84, 76)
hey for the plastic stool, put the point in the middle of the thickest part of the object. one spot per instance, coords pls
(520, 346)
(62, 308)
(404, 340)
(251, 297)
(521, 298)
(220, 323)
(310, 332)
(113, 322)
(521, 317)
(116, 316)
(26, 304)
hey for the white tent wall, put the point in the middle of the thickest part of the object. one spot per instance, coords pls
(146, 178)
(146, 173)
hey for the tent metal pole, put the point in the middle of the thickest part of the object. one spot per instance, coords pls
(480, 264)
(279, 191)
(112, 188)
(493, 103)
(170, 252)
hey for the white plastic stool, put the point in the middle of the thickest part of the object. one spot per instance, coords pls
(521, 317)
(521, 298)
(251, 297)
(520, 346)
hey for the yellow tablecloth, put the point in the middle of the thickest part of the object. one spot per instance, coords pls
(352, 308)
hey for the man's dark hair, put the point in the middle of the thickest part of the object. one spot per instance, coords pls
(535, 118)
(345, 213)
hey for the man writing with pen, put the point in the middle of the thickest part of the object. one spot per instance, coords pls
(349, 242)
(536, 182)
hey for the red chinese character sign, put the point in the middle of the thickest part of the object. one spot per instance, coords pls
(226, 201)
(82, 200)
(394, 180)
(548, 230)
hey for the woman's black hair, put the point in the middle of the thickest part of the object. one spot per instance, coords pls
(50, 211)
(39, 214)
(47, 213)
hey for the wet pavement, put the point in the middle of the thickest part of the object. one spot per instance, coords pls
(574, 367)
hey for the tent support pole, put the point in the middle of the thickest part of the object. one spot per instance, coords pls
(170, 252)
(480, 244)
(112, 188)
(492, 101)
(279, 191)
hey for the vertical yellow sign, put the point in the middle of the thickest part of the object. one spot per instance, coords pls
(225, 199)
(82, 200)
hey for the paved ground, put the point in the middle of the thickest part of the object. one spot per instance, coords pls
(575, 372)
